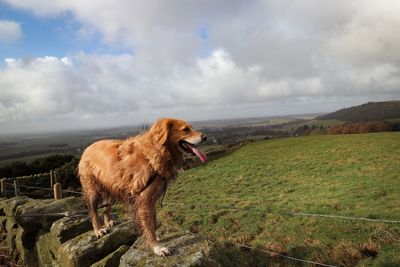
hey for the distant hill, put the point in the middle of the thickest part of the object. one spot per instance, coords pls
(371, 111)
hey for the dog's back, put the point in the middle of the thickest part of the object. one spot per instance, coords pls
(97, 162)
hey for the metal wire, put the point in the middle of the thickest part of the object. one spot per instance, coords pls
(289, 213)
(257, 249)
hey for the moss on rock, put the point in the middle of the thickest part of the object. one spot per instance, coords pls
(86, 249)
(112, 259)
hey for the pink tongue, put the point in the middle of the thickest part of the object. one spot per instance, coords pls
(198, 153)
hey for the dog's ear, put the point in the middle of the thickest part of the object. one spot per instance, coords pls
(161, 130)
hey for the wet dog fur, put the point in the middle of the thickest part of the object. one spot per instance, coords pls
(136, 171)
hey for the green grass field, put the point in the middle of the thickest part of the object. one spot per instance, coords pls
(246, 196)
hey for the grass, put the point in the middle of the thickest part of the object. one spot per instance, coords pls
(349, 175)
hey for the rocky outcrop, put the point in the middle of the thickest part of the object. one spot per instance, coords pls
(36, 233)
(113, 259)
(26, 220)
(86, 249)
(62, 230)
(187, 250)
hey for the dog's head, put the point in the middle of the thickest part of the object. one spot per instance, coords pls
(178, 135)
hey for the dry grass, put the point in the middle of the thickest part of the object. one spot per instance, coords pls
(346, 253)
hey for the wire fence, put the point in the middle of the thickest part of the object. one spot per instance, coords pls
(56, 189)
(286, 213)
(232, 207)
(264, 251)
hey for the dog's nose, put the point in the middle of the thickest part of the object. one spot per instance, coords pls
(203, 137)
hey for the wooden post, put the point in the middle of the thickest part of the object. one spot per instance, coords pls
(3, 187)
(57, 191)
(51, 179)
(16, 187)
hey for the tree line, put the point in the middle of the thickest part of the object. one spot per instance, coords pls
(40, 165)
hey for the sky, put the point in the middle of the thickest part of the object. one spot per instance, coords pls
(103, 63)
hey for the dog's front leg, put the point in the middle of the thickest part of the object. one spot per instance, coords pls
(146, 214)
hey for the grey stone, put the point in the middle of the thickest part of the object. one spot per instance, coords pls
(187, 250)
(70, 227)
(24, 244)
(45, 249)
(86, 248)
(61, 231)
(112, 259)
(8, 206)
(36, 214)
(11, 230)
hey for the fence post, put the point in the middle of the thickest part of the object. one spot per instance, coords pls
(57, 191)
(51, 179)
(16, 187)
(3, 187)
(55, 178)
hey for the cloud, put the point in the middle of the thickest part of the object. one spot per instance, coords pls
(10, 31)
(95, 85)
(369, 36)
(224, 56)
(36, 87)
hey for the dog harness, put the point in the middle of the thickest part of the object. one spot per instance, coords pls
(151, 180)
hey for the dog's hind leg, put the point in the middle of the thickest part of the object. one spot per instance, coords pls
(93, 198)
(98, 231)
(108, 221)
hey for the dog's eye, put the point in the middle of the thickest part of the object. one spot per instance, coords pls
(186, 129)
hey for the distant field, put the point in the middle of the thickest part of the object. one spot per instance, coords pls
(27, 147)
(295, 125)
(348, 175)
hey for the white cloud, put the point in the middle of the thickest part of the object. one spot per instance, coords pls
(97, 85)
(369, 36)
(254, 53)
(36, 87)
(10, 31)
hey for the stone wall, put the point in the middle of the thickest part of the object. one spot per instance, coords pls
(37, 233)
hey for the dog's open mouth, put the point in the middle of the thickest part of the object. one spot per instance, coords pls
(192, 149)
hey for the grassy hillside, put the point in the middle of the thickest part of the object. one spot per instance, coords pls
(246, 197)
(372, 111)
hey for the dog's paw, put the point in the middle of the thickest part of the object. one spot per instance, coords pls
(161, 251)
(100, 233)
(111, 223)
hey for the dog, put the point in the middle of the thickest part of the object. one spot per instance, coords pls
(136, 171)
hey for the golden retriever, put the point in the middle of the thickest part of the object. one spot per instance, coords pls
(136, 171)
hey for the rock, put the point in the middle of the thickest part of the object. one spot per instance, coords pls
(24, 243)
(45, 248)
(11, 230)
(61, 231)
(86, 249)
(33, 216)
(3, 221)
(187, 250)
(8, 206)
(28, 215)
(70, 227)
(112, 259)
